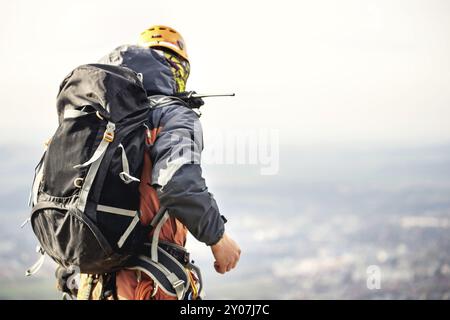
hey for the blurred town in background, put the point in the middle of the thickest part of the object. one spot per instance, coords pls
(309, 232)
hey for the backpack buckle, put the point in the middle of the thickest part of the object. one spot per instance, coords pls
(108, 136)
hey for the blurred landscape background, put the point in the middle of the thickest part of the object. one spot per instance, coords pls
(311, 232)
(357, 92)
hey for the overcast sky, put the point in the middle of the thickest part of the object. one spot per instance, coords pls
(365, 72)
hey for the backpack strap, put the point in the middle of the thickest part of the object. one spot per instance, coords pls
(125, 174)
(169, 274)
(38, 264)
(108, 137)
(38, 174)
(128, 231)
(160, 100)
(166, 271)
(122, 212)
(74, 113)
(159, 220)
(95, 162)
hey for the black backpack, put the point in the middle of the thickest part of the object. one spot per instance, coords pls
(85, 198)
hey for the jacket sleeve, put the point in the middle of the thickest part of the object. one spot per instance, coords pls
(177, 174)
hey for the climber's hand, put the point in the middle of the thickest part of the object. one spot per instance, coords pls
(227, 253)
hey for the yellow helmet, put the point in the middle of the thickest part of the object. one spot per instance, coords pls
(162, 36)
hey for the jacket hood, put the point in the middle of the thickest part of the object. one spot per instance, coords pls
(157, 75)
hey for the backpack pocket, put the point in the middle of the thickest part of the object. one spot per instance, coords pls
(73, 143)
(72, 240)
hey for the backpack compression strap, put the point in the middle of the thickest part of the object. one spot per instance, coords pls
(95, 162)
(166, 271)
